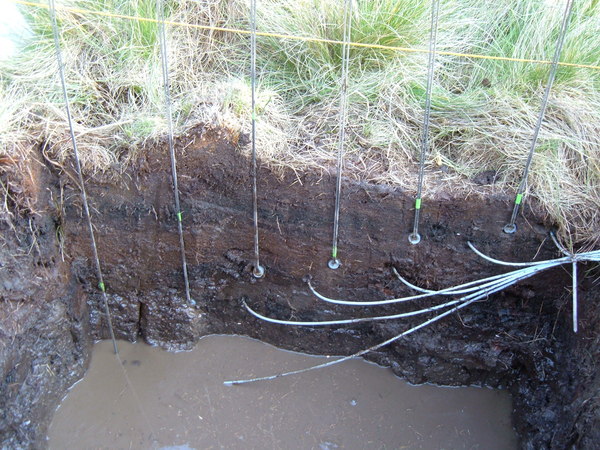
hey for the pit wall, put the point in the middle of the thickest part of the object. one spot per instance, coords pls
(519, 339)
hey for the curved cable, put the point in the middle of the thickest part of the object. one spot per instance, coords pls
(516, 264)
(454, 290)
(508, 280)
(348, 321)
(362, 352)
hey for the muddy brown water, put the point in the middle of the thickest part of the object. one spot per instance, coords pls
(179, 402)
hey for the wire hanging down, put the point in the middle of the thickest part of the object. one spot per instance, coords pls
(84, 199)
(334, 262)
(257, 270)
(469, 292)
(414, 238)
(169, 115)
(511, 226)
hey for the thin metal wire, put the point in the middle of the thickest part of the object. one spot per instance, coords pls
(258, 271)
(84, 199)
(414, 238)
(169, 115)
(334, 262)
(302, 38)
(511, 227)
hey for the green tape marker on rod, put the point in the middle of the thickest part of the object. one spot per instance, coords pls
(180, 216)
(334, 253)
(102, 287)
(418, 203)
(519, 199)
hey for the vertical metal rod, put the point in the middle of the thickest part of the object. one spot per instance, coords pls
(334, 262)
(84, 198)
(511, 227)
(414, 238)
(575, 306)
(169, 115)
(258, 271)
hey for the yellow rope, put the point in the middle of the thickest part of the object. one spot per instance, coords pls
(301, 38)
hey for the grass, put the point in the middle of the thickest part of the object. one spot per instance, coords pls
(483, 110)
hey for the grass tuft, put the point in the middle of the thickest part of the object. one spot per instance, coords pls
(483, 110)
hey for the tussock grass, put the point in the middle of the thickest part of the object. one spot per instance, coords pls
(483, 110)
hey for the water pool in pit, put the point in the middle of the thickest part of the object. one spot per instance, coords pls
(179, 402)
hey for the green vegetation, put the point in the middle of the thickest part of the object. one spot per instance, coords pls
(483, 110)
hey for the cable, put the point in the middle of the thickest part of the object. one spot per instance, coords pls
(508, 280)
(414, 238)
(362, 352)
(455, 290)
(334, 262)
(167, 92)
(304, 38)
(258, 271)
(84, 199)
(511, 227)
(501, 283)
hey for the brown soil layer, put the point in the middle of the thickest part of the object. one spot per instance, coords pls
(519, 339)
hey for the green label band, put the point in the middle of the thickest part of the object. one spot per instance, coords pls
(519, 199)
(102, 287)
(334, 253)
(180, 216)
(418, 203)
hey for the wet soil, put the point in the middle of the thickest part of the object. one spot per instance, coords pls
(182, 403)
(50, 311)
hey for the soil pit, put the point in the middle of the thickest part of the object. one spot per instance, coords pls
(51, 310)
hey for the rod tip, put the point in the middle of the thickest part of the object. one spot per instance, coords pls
(414, 238)
(334, 263)
(258, 271)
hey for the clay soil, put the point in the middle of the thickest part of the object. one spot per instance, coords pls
(50, 310)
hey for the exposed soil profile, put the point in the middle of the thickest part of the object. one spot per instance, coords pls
(50, 313)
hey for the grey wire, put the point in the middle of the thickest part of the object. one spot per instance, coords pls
(454, 290)
(490, 288)
(511, 227)
(258, 270)
(415, 238)
(334, 263)
(84, 198)
(349, 321)
(362, 352)
(169, 115)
